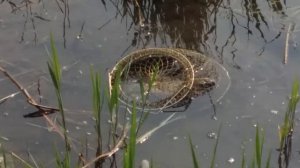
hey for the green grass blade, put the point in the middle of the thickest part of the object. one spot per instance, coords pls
(268, 160)
(253, 161)
(55, 72)
(54, 65)
(243, 165)
(129, 155)
(258, 147)
(213, 160)
(151, 163)
(195, 160)
(126, 159)
(132, 143)
(115, 90)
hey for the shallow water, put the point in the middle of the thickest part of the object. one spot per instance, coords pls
(247, 38)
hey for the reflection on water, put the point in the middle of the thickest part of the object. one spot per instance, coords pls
(189, 24)
(247, 37)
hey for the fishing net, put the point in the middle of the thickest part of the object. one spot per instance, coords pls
(160, 78)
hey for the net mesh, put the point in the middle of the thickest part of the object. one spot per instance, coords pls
(159, 78)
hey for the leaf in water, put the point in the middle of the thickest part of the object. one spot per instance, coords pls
(147, 135)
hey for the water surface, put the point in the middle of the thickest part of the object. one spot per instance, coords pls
(247, 37)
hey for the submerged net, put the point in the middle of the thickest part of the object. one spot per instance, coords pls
(160, 78)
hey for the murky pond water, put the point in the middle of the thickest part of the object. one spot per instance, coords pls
(249, 38)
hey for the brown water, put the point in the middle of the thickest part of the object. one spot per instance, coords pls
(247, 37)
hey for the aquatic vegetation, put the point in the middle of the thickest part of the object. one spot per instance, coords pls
(286, 129)
(55, 73)
(194, 157)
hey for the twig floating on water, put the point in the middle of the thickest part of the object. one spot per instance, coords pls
(2, 100)
(286, 51)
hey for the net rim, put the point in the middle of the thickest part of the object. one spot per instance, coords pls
(145, 53)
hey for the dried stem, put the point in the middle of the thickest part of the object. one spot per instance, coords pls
(41, 108)
(112, 151)
(286, 50)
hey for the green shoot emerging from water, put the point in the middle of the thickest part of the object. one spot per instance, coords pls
(55, 72)
(129, 155)
(287, 128)
(97, 108)
(195, 161)
(213, 160)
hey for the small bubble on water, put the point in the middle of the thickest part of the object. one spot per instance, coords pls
(253, 79)
(252, 103)
(231, 160)
(99, 46)
(271, 92)
(88, 133)
(212, 135)
(214, 117)
(5, 114)
(274, 111)
(283, 103)
(77, 128)
(249, 87)
(175, 138)
(84, 122)
(254, 96)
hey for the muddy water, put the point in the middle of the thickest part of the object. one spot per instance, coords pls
(247, 38)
